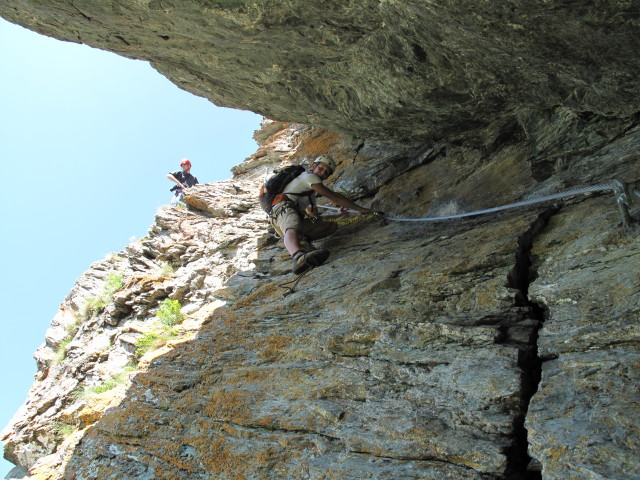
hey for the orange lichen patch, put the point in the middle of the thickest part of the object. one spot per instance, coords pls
(223, 458)
(195, 202)
(170, 453)
(218, 459)
(466, 461)
(103, 470)
(228, 405)
(89, 415)
(144, 282)
(136, 419)
(50, 467)
(340, 391)
(320, 143)
(264, 458)
(230, 330)
(557, 453)
(249, 376)
(95, 408)
(45, 471)
(274, 346)
(235, 320)
(268, 421)
(264, 294)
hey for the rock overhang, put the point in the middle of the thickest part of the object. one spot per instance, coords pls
(395, 70)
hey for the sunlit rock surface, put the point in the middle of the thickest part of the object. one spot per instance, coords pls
(502, 346)
(413, 353)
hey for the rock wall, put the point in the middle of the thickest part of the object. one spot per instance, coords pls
(495, 347)
(502, 346)
(385, 68)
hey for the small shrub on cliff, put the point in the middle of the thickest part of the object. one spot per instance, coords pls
(170, 313)
(92, 307)
(151, 341)
(61, 351)
(95, 305)
(166, 270)
(105, 387)
(109, 384)
(112, 382)
(114, 283)
(63, 429)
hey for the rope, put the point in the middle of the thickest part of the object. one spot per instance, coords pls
(568, 193)
(348, 220)
(292, 289)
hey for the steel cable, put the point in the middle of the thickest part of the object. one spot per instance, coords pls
(568, 193)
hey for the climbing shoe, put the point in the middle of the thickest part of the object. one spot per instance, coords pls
(303, 260)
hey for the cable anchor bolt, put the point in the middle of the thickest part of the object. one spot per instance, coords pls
(623, 199)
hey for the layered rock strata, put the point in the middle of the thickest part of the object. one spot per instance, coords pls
(495, 347)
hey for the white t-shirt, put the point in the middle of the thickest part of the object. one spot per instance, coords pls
(302, 183)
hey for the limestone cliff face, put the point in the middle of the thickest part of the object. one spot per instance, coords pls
(486, 348)
(502, 346)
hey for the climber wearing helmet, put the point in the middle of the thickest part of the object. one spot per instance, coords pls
(296, 218)
(182, 179)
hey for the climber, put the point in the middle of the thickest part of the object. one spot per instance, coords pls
(182, 179)
(295, 216)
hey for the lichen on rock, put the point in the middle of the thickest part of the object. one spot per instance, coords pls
(502, 346)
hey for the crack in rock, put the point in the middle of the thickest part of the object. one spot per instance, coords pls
(520, 466)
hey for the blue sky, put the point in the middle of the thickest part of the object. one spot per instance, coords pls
(86, 140)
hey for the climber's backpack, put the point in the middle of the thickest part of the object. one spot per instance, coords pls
(273, 187)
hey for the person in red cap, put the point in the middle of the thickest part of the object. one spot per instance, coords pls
(182, 179)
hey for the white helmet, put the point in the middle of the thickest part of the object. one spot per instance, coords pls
(328, 161)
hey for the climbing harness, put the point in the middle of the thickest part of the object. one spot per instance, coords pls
(618, 187)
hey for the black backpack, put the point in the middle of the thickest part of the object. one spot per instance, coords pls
(275, 184)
